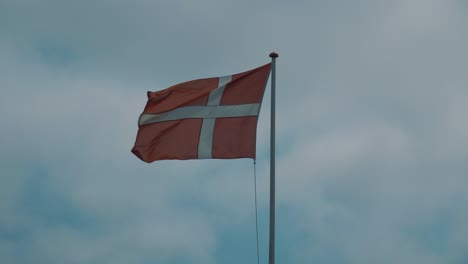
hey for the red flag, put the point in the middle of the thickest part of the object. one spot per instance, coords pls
(213, 118)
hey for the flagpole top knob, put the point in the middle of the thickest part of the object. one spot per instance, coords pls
(273, 55)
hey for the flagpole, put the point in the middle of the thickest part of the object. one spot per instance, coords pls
(271, 254)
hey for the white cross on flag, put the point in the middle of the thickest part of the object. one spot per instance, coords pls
(212, 118)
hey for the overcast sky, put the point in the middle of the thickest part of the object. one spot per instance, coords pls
(372, 132)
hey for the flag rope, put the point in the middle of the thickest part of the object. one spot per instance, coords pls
(256, 208)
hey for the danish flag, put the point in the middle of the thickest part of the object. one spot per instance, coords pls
(211, 118)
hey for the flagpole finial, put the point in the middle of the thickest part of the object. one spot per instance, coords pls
(273, 55)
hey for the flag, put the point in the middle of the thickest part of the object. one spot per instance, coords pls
(211, 118)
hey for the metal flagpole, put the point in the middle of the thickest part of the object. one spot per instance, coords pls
(271, 254)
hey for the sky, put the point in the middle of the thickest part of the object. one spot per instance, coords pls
(372, 132)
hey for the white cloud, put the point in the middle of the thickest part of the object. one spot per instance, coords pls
(371, 132)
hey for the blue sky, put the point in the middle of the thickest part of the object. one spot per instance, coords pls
(372, 132)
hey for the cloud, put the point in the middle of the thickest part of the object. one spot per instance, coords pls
(371, 132)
